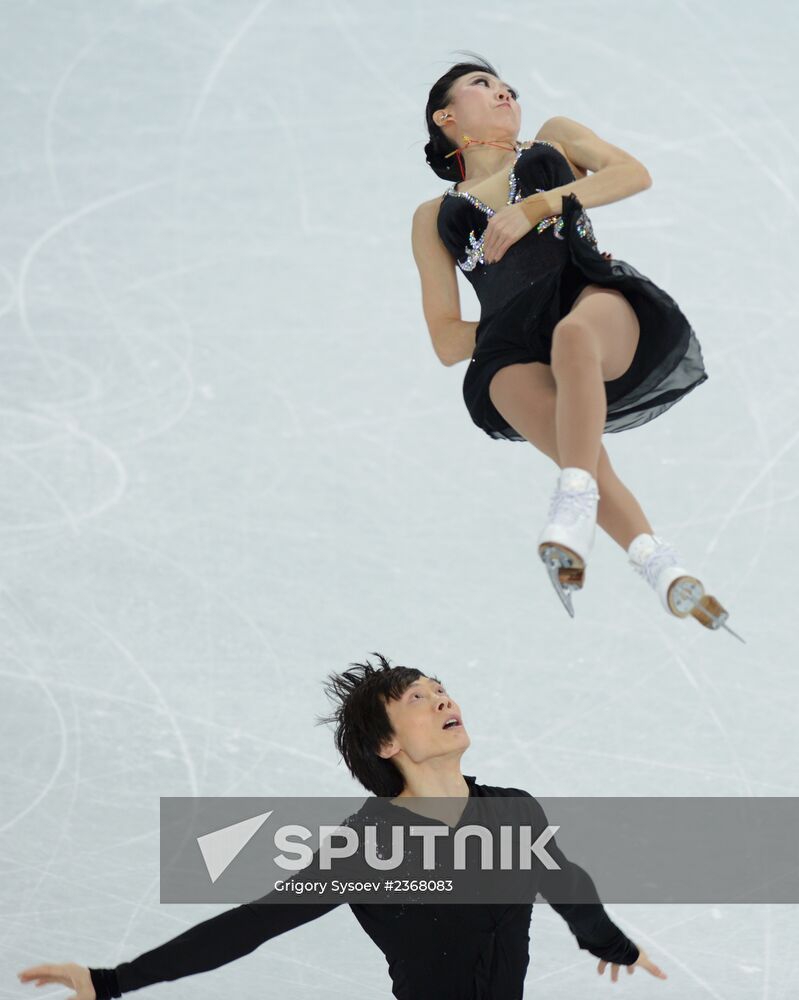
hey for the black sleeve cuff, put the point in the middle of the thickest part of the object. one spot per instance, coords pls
(621, 951)
(105, 983)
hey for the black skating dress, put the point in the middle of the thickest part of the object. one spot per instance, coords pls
(523, 296)
(467, 951)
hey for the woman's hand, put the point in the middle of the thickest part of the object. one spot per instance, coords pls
(504, 228)
(512, 222)
(642, 961)
(67, 974)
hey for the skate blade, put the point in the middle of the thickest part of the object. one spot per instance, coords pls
(687, 597)
(712, 615)
(566, 571)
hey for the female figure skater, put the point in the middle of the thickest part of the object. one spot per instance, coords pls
(402, 737)
(570, 342)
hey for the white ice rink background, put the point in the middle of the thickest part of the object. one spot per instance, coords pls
(231, 462)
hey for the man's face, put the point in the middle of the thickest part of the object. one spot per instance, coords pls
(422, 723)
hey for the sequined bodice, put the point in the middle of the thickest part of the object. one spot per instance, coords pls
(462, 220)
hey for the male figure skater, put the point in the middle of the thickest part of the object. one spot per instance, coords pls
(402, 736)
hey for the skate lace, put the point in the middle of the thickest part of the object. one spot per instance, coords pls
(567, 506)
(664, 555)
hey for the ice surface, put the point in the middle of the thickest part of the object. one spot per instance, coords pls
(231, 462)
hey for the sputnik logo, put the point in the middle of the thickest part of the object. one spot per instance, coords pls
(221, 847)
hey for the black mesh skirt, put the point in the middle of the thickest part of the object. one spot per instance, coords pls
(667, 363)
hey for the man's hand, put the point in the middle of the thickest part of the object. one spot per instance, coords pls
(643, 961)
(66, 974)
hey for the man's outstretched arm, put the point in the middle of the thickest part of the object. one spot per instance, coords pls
(207, 945)
(588, 921)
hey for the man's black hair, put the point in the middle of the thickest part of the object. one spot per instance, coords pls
(362, 722)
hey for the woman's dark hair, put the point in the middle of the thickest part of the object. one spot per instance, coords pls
(439, 145)
(362, 722)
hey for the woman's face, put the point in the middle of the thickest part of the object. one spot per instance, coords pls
(482, 106)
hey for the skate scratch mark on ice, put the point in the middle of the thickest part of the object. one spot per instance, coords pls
(399, 96)
(403, 412)
(91, 394)
(751, 486)
(289, 133)
(221, 59)
(711, 711)
(178, 271)
(58, 227)
(50, 490)
(325, 423)
(298, 176)
(297, 430)
(751, 153)
(544, 85)
(577, 966)
(212, 264)
(733, 67)
(55, 97)
(683, 921)
(182, 373)
(49, 868)
(93, 692)
(565, 751)
(58, 767)
(11, 301)
(87, 269)
(760, 425)
(72, 519)
(245, 366)
(140, 905)
(733, 752)
(50, 160)
(44, 869)
(655, 946)
(127, 542)
(767, 952)
(594, 706)
(165, 707)
(701, 106)
(266, 763)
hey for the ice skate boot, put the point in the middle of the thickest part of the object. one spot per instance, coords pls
(567, 539)
(680, 593)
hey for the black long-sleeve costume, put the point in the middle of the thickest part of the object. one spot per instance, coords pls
(434, 952)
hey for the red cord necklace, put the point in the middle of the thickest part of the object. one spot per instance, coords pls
(469, 141)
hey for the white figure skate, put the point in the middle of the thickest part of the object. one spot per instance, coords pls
(566, 542)
(680, 593)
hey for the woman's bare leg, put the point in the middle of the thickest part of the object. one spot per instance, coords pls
(526, 396)
(594, 343)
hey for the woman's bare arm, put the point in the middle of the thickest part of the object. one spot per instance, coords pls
(615, 173)
(452, 336)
